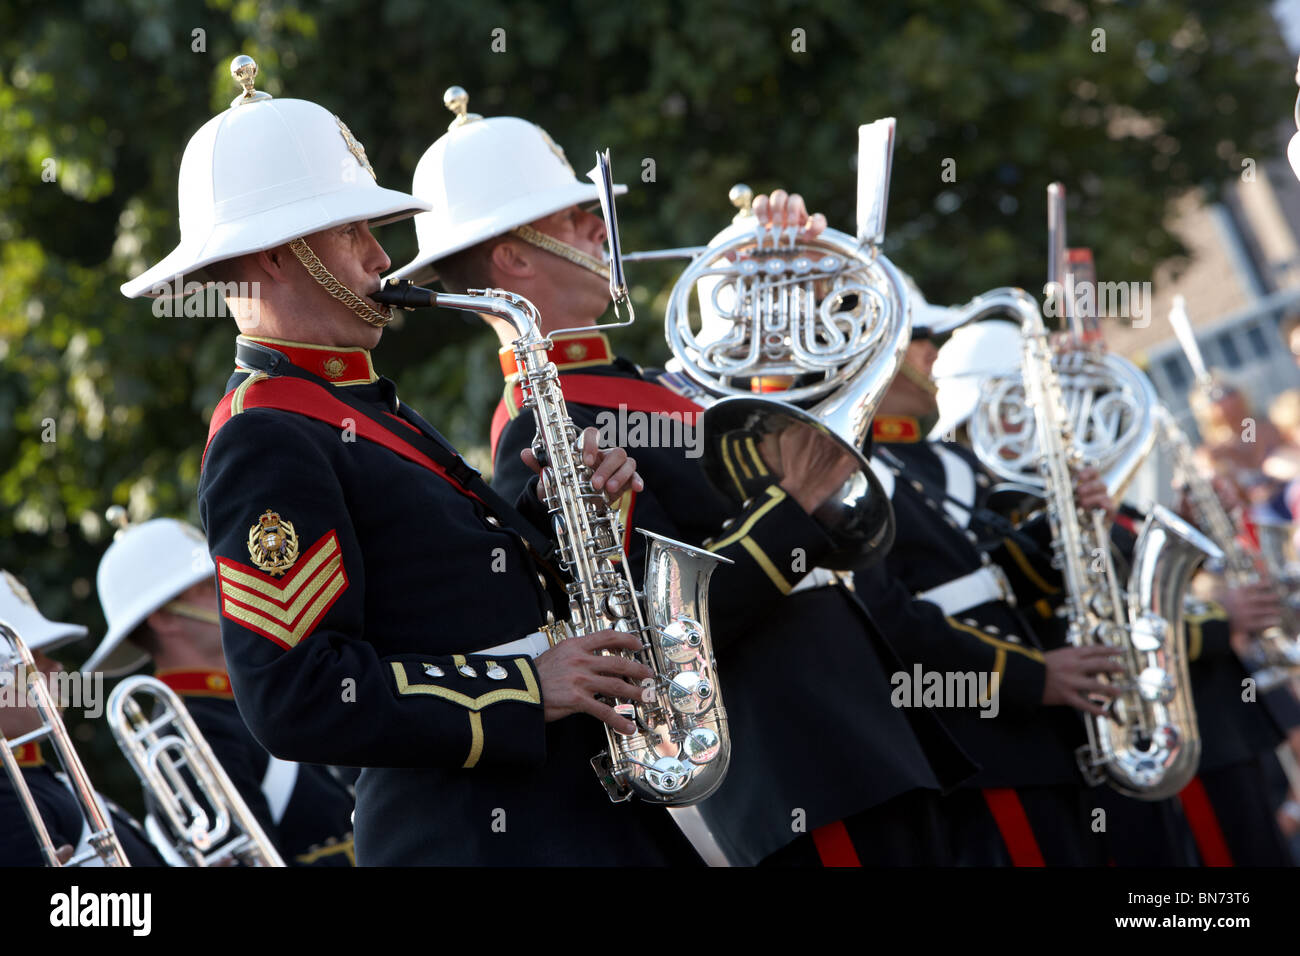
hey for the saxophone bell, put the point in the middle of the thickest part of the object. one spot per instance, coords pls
(1149, 746)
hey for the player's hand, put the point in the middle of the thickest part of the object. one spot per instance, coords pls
(1072, 677)
(574, 673)
(810, 465)
(1252, 608)
(613, 470)
(781, 210)
(1090, 492)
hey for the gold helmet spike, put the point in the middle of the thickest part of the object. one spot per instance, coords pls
(118, 517)
(457, 100)
(742, 197)
(243, 69)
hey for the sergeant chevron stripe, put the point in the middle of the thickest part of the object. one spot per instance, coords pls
(285, 610)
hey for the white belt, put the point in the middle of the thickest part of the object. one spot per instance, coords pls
(816, 578)
(971, 590)
(531, 645)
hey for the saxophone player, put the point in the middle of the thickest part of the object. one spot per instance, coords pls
(824, 771)
(1187, 829)
(952, 596)
(380, 606)
(54, 796)
(158, 591)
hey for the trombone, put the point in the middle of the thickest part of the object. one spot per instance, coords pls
(102, 842)
(203, 815)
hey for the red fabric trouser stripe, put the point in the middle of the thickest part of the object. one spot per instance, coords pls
(834, 846)
(1013, 824)
(1204, 824)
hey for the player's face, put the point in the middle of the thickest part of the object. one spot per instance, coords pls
(353, 256)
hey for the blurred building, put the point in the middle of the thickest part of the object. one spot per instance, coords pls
(1241, 281)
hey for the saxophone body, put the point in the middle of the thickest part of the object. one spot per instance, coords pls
(1276, 649)
(1147, 745)
(681, 748)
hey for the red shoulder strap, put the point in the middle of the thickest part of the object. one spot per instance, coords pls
(500, 418)
(604, 391)
(311, 400)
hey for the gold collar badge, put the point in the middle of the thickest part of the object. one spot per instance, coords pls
(273, 544)
(355, 148)
(334, 367)
(575, 351)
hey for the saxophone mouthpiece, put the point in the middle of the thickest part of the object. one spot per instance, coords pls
(401, 293)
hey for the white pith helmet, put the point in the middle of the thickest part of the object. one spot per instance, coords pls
(264, 172)
(19, 611)
(973, 354)
(146, 566)
(934, 319)
(484, 177)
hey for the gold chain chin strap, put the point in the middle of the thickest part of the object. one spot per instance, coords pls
(919, 378)
(337, 289)
(192, 611)
(535, 237)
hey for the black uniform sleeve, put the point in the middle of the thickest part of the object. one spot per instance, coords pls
(310, 686)
(1026, 557)
(921, 634)
(1208, 632)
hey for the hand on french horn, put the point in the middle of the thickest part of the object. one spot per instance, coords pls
(613, 470)
(810, 466)
(781, 210)
(574, 674)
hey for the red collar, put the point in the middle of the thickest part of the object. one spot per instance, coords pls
(896, 428)
(338, 366)
(29, 755)
(568, 351)
(198, 683)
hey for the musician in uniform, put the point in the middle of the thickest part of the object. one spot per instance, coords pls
(59, 807)
(380, 606)
(823, 770)
(950, 596)
(1187, 829)
(158, 591)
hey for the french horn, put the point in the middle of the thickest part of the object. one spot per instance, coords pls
(778, 329)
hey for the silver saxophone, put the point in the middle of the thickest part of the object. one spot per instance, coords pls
(680, 750)
(1277, 648)
(1148, 744)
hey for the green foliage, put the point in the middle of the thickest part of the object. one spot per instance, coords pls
(715, 93)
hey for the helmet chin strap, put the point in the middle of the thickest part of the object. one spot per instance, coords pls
(918, 378)
(193, 611)
(535, 237)
(326, 280)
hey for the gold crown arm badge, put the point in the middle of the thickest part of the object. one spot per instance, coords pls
(272, 544)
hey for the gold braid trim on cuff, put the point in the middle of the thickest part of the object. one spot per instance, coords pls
(535, 237)
(316, 269)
